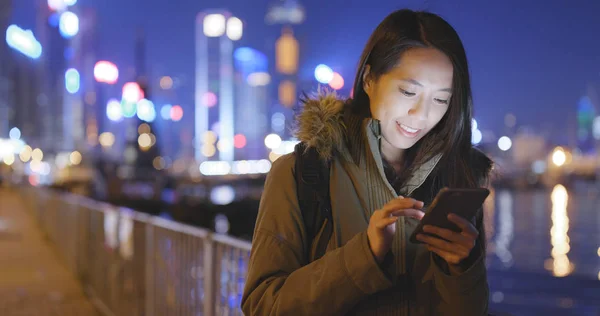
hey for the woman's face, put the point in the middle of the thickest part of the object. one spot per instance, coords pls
(412, 98)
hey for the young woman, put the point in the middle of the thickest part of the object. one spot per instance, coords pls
(405, 135)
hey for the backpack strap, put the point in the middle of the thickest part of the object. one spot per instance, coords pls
(312, 188)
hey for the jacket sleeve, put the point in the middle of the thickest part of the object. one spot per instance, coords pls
(279, 280)
(468, 293)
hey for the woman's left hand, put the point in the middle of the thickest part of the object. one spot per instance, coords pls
(456, 246)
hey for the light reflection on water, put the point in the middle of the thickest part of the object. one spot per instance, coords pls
(530, 231)
(560, 264)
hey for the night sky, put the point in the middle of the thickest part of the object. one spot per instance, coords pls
(531, 58)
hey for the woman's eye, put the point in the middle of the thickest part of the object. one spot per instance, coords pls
(406, 93)
(441, 101)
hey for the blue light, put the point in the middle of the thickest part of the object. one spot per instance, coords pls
(249, 60)
(70, 2)
(165, 112)
(68, 24)
(15, 133)
(243, 54)
(72, 80)
(23, 41)
(54, 19)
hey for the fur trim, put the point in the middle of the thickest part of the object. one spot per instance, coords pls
(320, 124)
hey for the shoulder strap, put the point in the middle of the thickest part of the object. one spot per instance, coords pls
(312, 187)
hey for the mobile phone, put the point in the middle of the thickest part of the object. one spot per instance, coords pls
(462, 202)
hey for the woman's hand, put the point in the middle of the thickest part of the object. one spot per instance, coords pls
(382, 225)
(456, 246)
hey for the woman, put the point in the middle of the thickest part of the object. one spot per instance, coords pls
(404, 136)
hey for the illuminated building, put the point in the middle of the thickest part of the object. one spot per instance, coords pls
(5, 12)
(287, 53)
(215, 33)
(251, 106)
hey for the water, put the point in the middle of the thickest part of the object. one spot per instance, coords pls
(544, 252)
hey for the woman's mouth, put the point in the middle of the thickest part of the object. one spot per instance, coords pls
(407, 130)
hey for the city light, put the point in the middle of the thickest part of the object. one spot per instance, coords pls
(6, 148)
(70, 2)
(106, 139)
(596, 128)
(132, 92)
(272, 141)
(9, 159)
(146, 111)
(476, 137)
(504, 143)
(258, 79)
(214, 25)
(37, 154)
(128, 109)
(323, 74)
(14, 133)
(249, 60)
(25, 154)
(23, 41)
(239, 141)
(176, 113)
(559, 157)
(144, 141)
(68, 24)
(75, 158)
(114, 112)
(287, 93)
(209, 99)
(57, 5)
(165, 112)
(106, 72)
(166, 83)
(337, 82)
(72, 80)
(144, 129)
(278, 122)
(235, 28)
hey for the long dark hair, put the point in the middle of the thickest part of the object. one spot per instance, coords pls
(461, 166)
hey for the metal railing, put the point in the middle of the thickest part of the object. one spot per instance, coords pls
(132, 263)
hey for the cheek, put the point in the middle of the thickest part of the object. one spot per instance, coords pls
(436, 116)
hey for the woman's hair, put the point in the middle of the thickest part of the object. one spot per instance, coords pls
(401, 31)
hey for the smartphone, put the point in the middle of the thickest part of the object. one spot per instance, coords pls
(462, 202)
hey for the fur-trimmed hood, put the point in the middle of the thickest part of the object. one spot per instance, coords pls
(320, 123)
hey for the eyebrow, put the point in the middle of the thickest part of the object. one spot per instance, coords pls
(416, 83)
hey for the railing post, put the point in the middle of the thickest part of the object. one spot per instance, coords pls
(210, 278)
(150, 277)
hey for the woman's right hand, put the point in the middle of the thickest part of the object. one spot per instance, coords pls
(382, 225)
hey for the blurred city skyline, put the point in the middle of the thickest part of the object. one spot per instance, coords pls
(535, 61)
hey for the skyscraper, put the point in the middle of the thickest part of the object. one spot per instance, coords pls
(286, 13)
(215, 33)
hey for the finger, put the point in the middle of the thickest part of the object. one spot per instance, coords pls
(450, 235)
(454, 248)
(385, 222)
(409, 212)
(466, 226)
(398, 204)
(448, 256)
